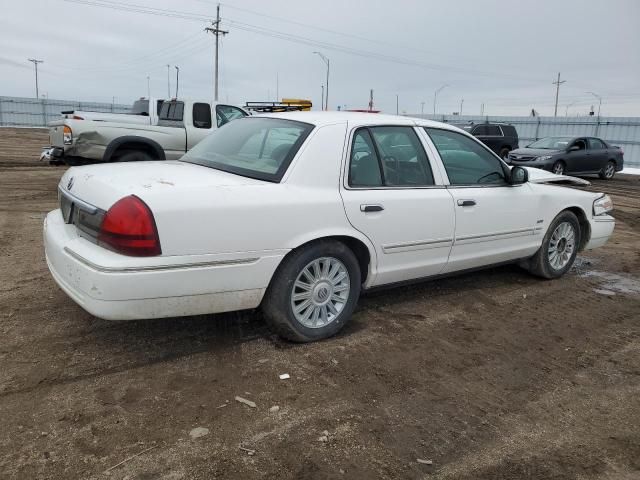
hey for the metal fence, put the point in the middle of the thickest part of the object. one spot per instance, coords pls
(620, 131)
(36, 112)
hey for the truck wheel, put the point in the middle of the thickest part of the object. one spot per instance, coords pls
(313, 292)
(559, 247)
(136, 156)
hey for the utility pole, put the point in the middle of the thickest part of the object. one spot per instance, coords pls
(326, 95)
(397, 104)
(35, 63)
(168, 82)
(277, 87)
(461, 102)
(177, 79)
(421, 108)
(557, 83)
(481, 109)
(215, 30)
(370, 100)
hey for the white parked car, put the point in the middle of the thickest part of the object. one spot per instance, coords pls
(300, 212)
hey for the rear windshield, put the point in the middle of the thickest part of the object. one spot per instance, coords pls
(253, 147)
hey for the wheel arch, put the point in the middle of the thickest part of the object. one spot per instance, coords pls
(133, 142)
(585, 226)
(358, 244)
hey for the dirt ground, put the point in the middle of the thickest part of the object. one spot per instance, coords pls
(491, 375)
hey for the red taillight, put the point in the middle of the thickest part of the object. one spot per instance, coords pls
(129, 228)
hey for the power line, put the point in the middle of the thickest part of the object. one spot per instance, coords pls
(291, 37)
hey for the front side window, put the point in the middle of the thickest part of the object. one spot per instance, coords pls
(465, 160)
(226, 113)
(255, 147)
(388, 156)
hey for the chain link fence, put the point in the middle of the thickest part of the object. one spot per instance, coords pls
(36, 112)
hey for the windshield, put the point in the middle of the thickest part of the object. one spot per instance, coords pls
(253, 147)
(551, 143)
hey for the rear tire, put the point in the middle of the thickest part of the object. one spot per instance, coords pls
(608, 171)
(559, 247)
(135, 156)
(313, 292)
(559, 168)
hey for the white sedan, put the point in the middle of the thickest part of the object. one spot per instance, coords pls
(300, 212)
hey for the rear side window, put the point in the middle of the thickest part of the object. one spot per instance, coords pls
(480, 130)
(494, 131)
(465, 160)
(596, 144)
(201, 115)
(172, 111)
(388, 156)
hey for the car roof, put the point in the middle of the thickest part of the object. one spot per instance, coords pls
(356, 119)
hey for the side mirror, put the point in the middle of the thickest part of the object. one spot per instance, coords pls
(519, 175)
(573, 148)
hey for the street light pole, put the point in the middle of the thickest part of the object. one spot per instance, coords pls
(435, 96)
(421, 108)
(326, 94)
(599, 101)
(397, 109)
(566, 111)
(35, 63)
(177, 79)
(168, 82)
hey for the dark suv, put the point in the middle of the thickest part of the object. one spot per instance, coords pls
(499, 137)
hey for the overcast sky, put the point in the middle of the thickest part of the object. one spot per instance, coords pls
(505, 54)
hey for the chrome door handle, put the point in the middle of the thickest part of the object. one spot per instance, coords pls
(466, 203)
(371, 208)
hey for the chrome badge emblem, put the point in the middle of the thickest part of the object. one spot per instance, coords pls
(70, 183)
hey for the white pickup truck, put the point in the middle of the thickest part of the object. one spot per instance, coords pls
(181, 125)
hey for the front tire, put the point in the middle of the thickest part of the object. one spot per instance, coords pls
(559, 168)
(608, 171)
(559, 247)
(504, 153)
(313, 292)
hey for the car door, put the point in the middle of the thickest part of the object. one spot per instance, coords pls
(392, 195)
(598, 155)
(577, 160)
(495, 221)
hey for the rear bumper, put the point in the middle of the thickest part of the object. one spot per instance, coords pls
(116, 287)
